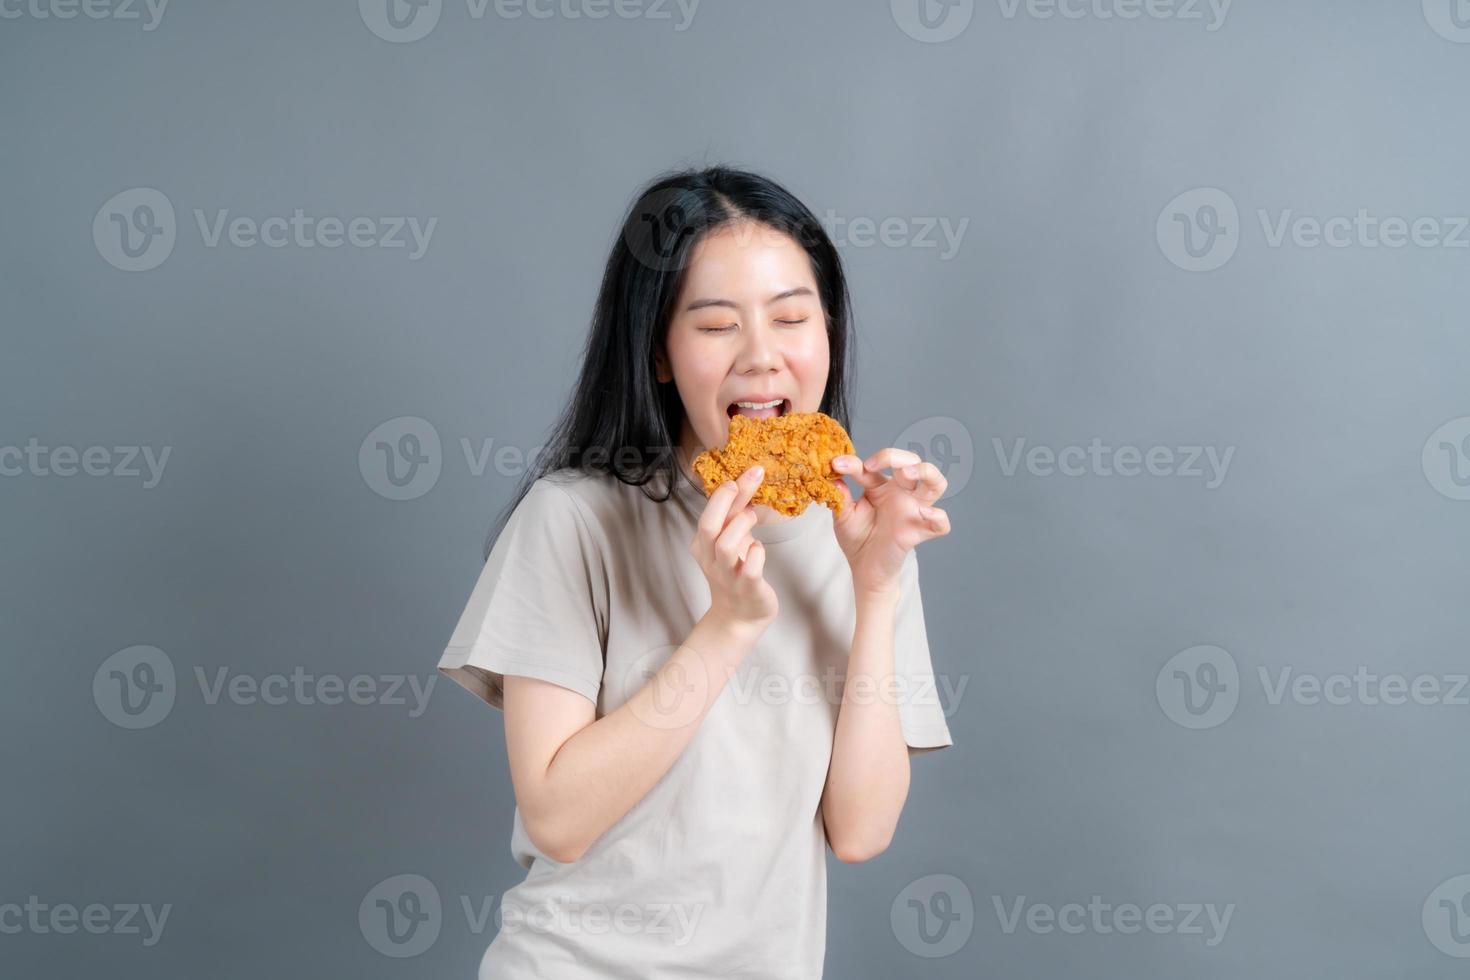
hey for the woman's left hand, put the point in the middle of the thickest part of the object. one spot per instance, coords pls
(895, 513)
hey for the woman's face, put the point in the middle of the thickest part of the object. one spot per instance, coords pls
(748, 326)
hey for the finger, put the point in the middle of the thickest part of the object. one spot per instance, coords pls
(717, 510)
(923, 480)
(748, 483)
(853, 466)
(846, 495)
(936, 521)
(731, 543)
(726, 500)
(755, 561)
(729, 540)
(890, 457)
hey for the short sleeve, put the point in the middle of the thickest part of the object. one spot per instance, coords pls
(539, 606)
(920, 710)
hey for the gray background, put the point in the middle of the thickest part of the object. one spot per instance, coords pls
(1059, 600)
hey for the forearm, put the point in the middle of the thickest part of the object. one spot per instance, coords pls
(599, 773)
(868, 777)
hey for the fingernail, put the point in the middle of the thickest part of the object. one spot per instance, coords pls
(759, 471)
(910, 471)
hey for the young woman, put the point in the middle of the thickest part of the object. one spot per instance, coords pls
(700, 695)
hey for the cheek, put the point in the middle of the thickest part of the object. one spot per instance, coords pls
(698, 373)
(809, 358)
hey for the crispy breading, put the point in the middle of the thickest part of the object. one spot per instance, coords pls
(797, 452)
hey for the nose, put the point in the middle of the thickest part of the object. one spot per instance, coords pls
(758, 349)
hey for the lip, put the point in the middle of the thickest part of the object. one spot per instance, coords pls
(790, 404)
(768, 395)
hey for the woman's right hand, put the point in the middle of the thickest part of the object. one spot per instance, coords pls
(731, 558)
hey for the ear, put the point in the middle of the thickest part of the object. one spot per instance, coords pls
(661, 366)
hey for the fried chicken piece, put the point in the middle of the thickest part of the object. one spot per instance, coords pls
(796, 450)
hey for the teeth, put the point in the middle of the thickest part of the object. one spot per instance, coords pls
(759, 405)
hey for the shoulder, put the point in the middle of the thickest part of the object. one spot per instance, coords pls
(599, 500)
(607, 504)
(563, 494)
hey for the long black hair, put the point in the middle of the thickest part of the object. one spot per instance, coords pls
(619, 420)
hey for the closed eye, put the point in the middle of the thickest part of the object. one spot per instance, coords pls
(730, 326)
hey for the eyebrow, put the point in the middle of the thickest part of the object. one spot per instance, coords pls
(700, 304)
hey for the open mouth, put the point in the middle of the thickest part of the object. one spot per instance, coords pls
(767, 411)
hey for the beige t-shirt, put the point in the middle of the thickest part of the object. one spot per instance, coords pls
(720, 870)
